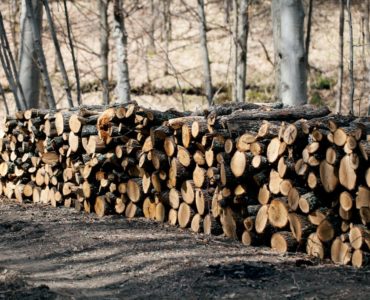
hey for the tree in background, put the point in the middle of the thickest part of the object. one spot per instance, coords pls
(29, 72)
(123, 88)
(290, 56)
(241, 52)
(104, 47)
(204, 51)
(338, 108)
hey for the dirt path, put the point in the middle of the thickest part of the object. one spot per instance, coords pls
(59, 253)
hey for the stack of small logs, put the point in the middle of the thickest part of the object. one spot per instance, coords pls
(296, 179)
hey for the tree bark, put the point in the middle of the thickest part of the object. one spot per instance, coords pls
(308, 33)
(340, 65)
(204, 50)
(235, 49)
(242, 50)
(367, 39)
(29, 73)
(288, 20)
(34, 16)
(123, 81)
(104, 48)
(351, 58)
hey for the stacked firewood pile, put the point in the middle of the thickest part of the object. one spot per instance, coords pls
(297, 179)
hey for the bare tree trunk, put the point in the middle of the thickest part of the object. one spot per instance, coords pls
(276, 26)
(104, 48)
(10, 79)
(291, 52)
(36, 27)
(367, 39)
(242, 43)
(74, 59)
(227, 8)
(123, 82)
(59, 56)
(2, 93)
(308, 33)
(153, 19)
(340, 64)
(235, 49)
(10, 67)
(351, 58)
(204, 50)
(167, 27)
(29, 73)
(15, 26)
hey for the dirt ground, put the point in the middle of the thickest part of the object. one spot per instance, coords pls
(48, 253)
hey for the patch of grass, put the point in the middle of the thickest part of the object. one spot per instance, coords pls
(316, 99)
(323, 83)
(257, 95)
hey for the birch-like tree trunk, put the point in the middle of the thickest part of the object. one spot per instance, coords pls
(338, 107)
(167, 28)
(104, 48)
(29, 72)
(351, 58)
(308, 33)
(36, 26)
(204, 51)
(123, 82)
(288, 20)
(367, 39)
(235, 49)
(242, 51)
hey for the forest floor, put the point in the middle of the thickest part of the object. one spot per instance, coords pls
(48, 253)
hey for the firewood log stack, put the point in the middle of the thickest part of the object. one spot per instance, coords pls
(297, 179)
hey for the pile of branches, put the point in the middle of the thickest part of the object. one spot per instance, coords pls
(296, 179)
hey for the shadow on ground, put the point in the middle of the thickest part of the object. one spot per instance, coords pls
(60, 253)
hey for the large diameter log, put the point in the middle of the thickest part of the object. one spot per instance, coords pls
(363, 197)
(160, 212)
(360, 258)
(300, 226)
(315, 247)
(211, 226)
(359, 237)
(328, 176)
(228, 222)
(328, 228)
(132, 210)
(101, 207)
(239, 163)
(188, 191)
(340, 252)
(283, 241)
(197, 223)
(262, 219)
(135, 189)
(185, 214)
(308, 202)
(278, 212)
(172, 217)
(347, 175)
(203, 201)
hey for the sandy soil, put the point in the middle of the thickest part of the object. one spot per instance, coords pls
(48, 253)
